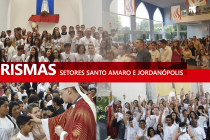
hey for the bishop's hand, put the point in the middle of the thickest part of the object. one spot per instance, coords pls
(35, 119)
(58, 131)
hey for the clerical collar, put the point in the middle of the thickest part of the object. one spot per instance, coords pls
(76, 100)
(64, 33)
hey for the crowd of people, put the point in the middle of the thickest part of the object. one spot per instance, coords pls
(41, 100)
(171, 118)
(95, 45)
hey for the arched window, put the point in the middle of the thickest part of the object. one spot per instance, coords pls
(158, 21)
(116, 17)
(142, 18)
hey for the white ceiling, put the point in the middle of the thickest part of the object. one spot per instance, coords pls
(164, 3)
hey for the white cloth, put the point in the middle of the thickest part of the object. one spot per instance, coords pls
(19, 42)
(123, 58)
(47, 44)
(168, 131)
(165, 54)
(184, 137)
(57, 43)
(201, 121)
(6, 129)
(131, 132)
(43, 88)
(81, 57)
(198, 133)
(1, 45)
(73, 44)
(156, 137)
(21, 95)
(12, 37)
(95, 58)
(17, 58)
(22, 137)
(68, 57)
(25, 105)
(86, 41)
(27, 49)
(11, 52)
(154, 55)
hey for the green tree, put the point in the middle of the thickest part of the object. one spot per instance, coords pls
(143, 25)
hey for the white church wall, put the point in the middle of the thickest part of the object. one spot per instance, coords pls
(131, 90)
(3, 14)
(21, 10)
(92, 13)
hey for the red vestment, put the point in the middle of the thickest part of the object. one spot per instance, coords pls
(78, 122)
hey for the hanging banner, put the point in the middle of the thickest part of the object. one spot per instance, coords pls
(176, 12)
(130, 8)
(192, 3)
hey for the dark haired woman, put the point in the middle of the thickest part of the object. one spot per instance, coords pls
(44, 35)
(151, 133)
(3, 36)
(202, 59)
(33, 57)
(81, 57)
(14, 97)
(160, 131)
(14, 112)
(28, 46)
(7, 127)
(96, 36)
(176, 56)
(18, 40)
(2, 56)
(48, 55)
(40, 48)
(57, 41)
(56, 59)
(47, 43)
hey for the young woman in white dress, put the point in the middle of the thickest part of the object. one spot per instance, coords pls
(18, 40)
(56, 56)
(44, 35)
(34, 57)
(7, 127)
(2, 56)
(3, 36)
(12, 50)
(48, 43)
(57, 41)
(202, 59)
(28, 45)
(34, 36)
(40, 48)
(80, 55)
(48, 55)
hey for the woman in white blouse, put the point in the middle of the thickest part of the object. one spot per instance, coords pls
(18, 40)
(3, 36)
(187, 52)
(2, 56)
(28, 45)
(80, 55)
(202, 60)
(33, 57)
(12, 50)
(48, 43)
(56, 56)
(40, 48)
(57, 41)
(48, 55)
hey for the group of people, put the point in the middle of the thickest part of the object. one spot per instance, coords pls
(174, 118)
(22, 105)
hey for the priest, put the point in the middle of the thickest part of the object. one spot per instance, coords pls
(78, 122)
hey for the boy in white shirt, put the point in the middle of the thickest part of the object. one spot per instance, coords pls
(24, 123)
(93, 57)
(19, 57)
(131, 131)
(67, 56)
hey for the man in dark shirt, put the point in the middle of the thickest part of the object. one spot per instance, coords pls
(143, 56)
